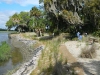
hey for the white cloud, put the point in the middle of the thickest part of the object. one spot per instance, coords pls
(4, 17)
(22, 2)
(7, 1)
(27, 2)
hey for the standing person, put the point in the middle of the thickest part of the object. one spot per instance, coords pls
(53, 34)
(78, 33)
(80, 37)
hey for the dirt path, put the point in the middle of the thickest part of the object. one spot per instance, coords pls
(71, 59)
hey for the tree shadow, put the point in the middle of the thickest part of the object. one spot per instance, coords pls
(91, 68)
(46, 37)
(76, 64)
(58, 69)
(70, 37)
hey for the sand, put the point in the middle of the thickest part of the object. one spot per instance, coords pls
(90, 66)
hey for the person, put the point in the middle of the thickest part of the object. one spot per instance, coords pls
(80, 37)
(78, 33)
(53, 34)
(85, 34)
(46, 28)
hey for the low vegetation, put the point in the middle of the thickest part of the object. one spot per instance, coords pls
(4, 51)
(89, 52)
(51, 61)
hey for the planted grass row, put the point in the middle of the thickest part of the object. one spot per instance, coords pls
(4, 51)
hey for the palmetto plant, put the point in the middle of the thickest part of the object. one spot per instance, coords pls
(35, 12)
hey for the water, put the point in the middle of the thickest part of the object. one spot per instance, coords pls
(14, 61)
(3, 36)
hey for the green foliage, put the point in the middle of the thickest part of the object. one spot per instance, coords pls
(56, 32)
(96, 33)
(18, 19)
(40, 1)
(9, 24)
(35, 12)
(38, 18)
(24, 17)
(30, 24)
(92, 13)
(4, 51)
(47, 1)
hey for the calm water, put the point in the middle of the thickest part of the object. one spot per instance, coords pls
(16, 56)
(3, 36)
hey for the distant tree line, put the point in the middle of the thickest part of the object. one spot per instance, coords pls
(3, 29)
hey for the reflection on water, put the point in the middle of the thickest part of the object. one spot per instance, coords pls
(14, 61)
(16, 56)
(6, 66)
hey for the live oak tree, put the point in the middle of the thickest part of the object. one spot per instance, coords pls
(92, 14)
(19, 21)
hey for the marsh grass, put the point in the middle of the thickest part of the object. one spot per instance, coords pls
(47, 58)
(4, 51)
(29, 36)
(51, 61)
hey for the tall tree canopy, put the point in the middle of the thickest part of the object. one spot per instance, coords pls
(18, 20)
(38, 17)
(92, 14)
(70, 14)
(35, 12)
(68, 9)
(64, 14)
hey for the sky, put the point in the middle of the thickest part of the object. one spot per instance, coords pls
(9, 7)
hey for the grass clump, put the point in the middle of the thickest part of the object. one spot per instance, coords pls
(29, 36)
(89, 52)
(51, 61)
(4, 51)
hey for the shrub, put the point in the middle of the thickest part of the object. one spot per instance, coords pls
(56, 32)
(89, 52)
(97, 33)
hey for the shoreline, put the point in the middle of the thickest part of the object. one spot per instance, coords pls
(31, 56)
